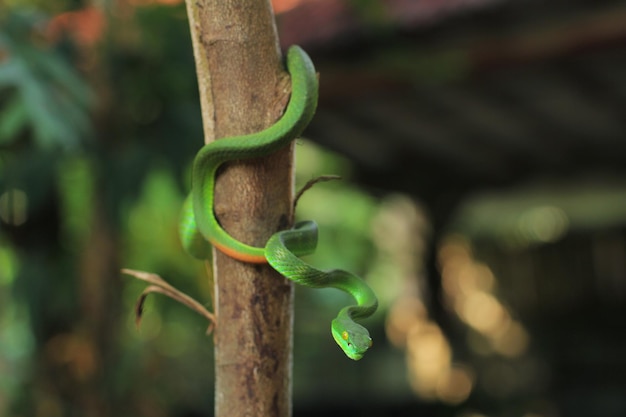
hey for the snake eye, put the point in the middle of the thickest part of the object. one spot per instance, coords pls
(344, 335)
(371, 343)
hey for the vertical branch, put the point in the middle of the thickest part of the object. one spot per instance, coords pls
(243, 89)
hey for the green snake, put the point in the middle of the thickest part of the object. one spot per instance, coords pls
(200, 228)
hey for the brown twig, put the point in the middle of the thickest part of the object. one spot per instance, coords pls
(311, 183)
(159, 285)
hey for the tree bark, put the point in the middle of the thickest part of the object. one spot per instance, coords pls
(243, 89)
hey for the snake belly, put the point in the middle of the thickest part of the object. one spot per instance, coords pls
(199, 224)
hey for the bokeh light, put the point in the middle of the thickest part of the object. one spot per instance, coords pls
(470, 289)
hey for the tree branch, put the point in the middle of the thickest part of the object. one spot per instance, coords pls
(243, 89)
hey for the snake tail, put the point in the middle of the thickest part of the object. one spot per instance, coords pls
(194, 243)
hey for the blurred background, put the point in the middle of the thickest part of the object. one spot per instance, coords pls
(483, 148)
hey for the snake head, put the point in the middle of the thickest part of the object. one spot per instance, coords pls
(352, 338)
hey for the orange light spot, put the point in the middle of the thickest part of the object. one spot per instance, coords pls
(344, 335)
(85, 26)
(281, 6)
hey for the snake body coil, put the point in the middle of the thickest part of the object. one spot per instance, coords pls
(199, 225)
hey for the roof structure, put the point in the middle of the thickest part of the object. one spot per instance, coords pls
(451, 97)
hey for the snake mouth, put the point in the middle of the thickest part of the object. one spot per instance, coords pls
(354, 355)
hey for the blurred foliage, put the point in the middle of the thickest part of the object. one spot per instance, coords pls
(97, 133)
(40, 92)
(81, 128)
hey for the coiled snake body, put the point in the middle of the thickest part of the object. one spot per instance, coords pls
(199, 225)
